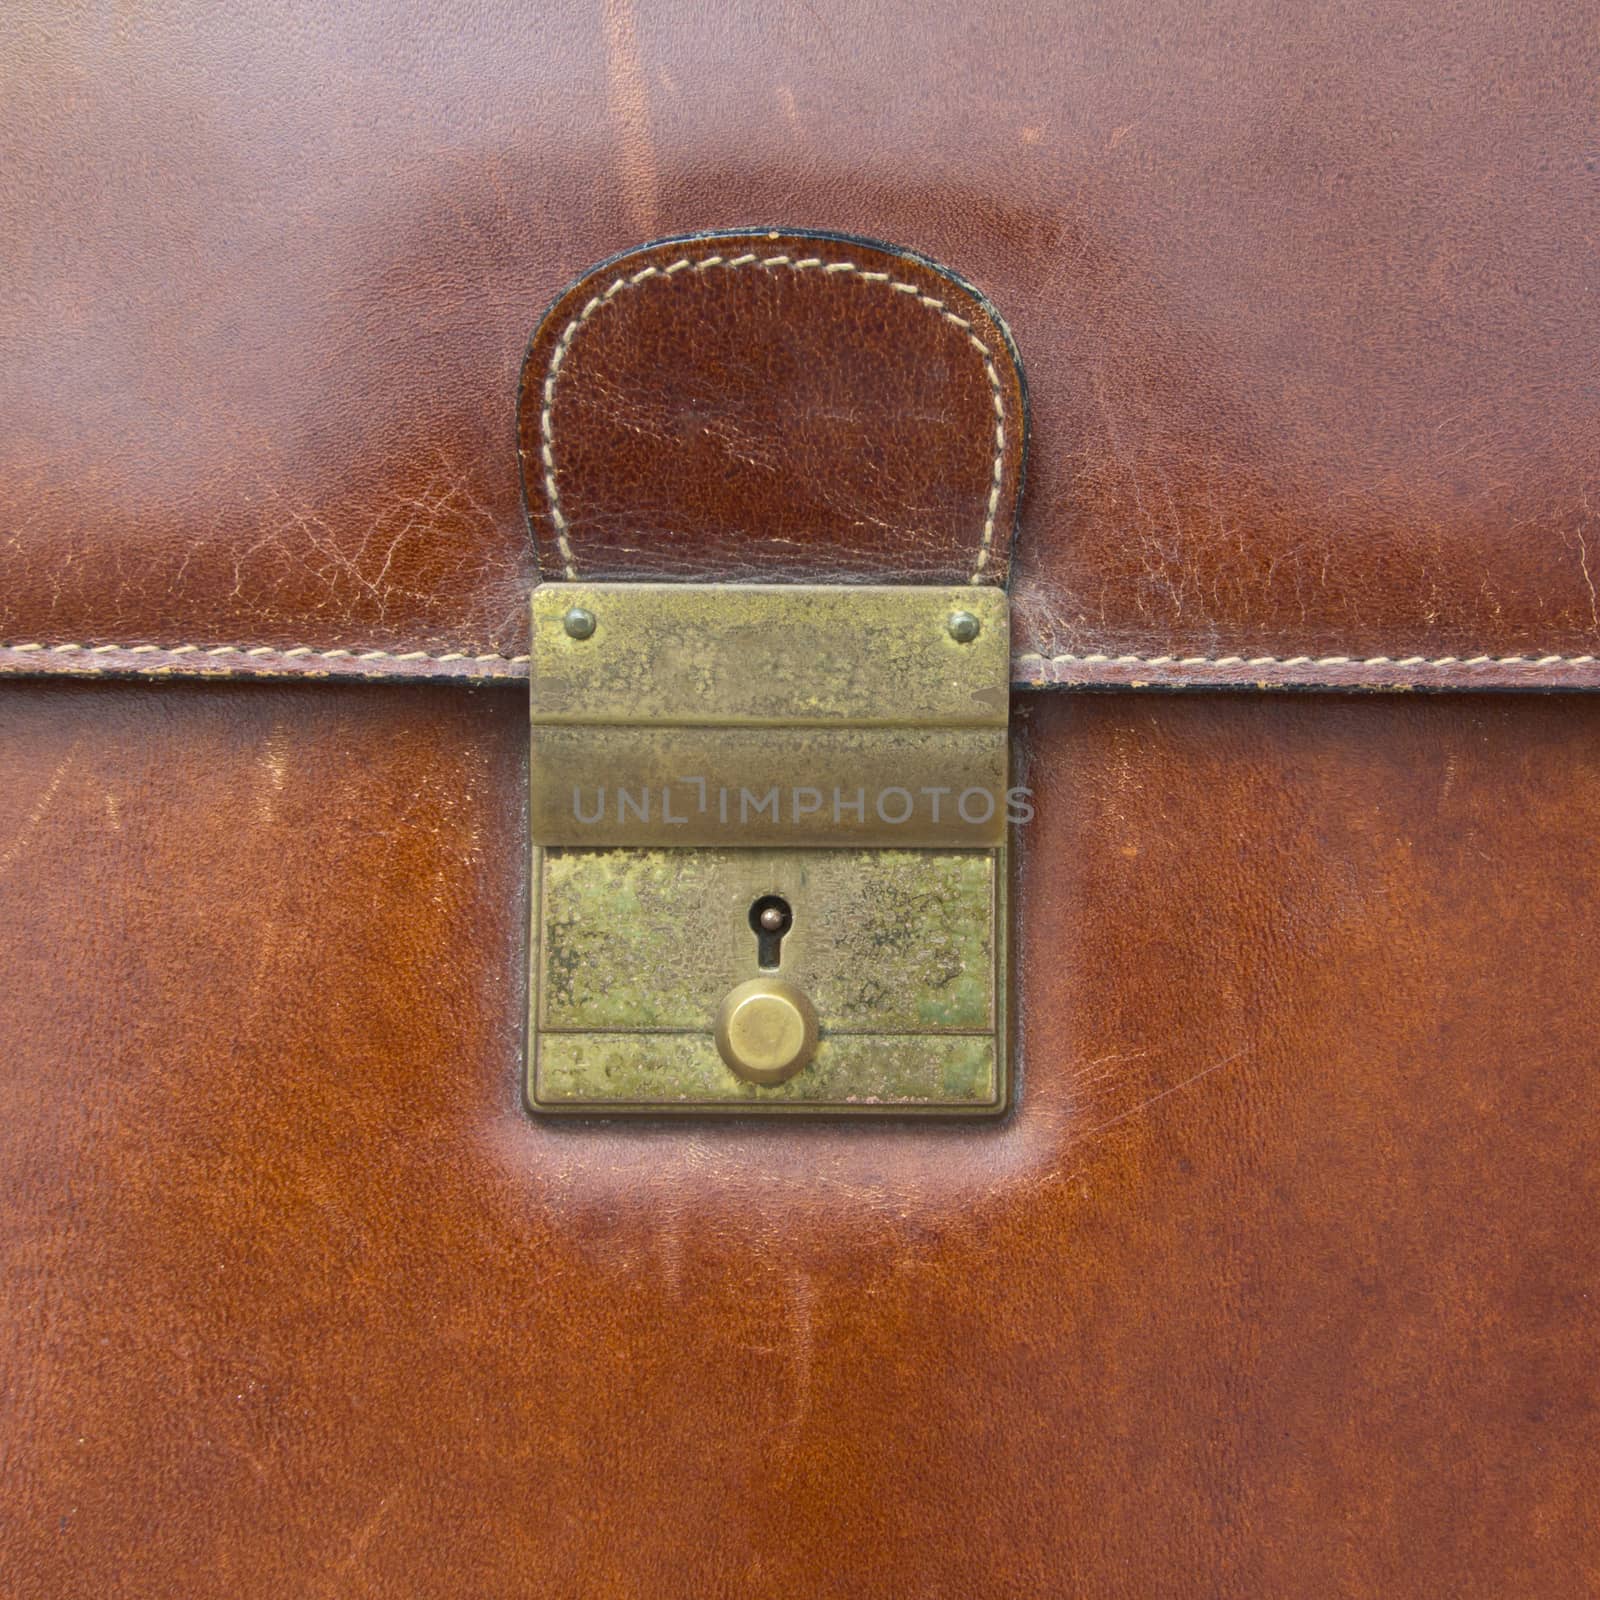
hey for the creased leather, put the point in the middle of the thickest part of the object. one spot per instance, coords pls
(1305, 294)
(1278, 1282)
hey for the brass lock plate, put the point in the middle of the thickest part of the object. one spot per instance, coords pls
(769, 866)
(897, 951)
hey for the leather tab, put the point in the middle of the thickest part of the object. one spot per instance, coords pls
(772, 406)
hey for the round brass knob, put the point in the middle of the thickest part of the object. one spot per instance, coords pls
(766, 1030)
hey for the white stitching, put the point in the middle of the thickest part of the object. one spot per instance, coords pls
(564, 343)
(1023, 659)
(295, 652)
(1029, 658)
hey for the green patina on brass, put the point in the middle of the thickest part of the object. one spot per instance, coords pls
(883, 941)
(853, 1072)
(728, 729)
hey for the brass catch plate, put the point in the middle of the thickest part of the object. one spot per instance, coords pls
(769, 865)
(758, 714)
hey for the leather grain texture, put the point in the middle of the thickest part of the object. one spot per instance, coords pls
(1306, 296)
(1279, 1281)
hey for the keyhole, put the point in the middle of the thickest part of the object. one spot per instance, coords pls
(770, 919)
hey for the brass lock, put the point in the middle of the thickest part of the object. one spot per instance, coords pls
(768, 849)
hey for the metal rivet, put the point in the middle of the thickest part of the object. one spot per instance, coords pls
(964, 627)
(578, 623)
(772, 919)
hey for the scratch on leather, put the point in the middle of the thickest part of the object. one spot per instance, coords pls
(1155, 1099)
(36, 812)
(801, 264)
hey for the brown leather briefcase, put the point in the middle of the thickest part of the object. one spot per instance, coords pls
(665, 933)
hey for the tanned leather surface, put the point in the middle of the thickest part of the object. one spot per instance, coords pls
(1278, 1281)
(767, 406)
(1306, 295)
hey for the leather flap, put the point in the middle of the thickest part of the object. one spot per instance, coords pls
(1306, 299)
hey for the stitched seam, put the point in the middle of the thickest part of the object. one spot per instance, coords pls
(1031, 659)
(297, 652)
(803, 264)
(1025, 658)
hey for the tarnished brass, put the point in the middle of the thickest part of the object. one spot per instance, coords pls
(766, 1030)
(756, 715)
(883, 941)
(776, 654)
(792, 897)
